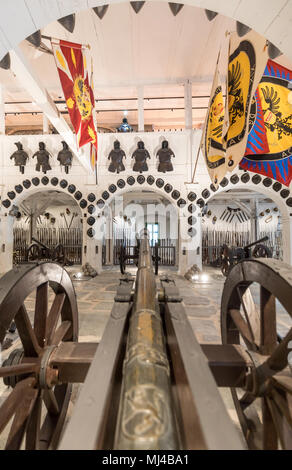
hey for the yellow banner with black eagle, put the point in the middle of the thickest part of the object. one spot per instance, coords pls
(211, 142)
(246, 63)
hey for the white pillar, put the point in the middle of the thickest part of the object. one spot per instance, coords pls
(254, 220)
(189, 248)
(287, 238)
(188, 105)
(140, 92)
(2, 110)
(6, 242)
(45, 124)
(109, 241)
(94, 253)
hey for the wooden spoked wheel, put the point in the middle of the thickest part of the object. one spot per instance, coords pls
(251, 315)
(36, 406)
(261, 251)
(33, 252)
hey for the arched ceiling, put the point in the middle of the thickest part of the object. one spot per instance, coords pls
(153, 49)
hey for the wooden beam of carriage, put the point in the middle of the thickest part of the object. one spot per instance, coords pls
(114, 407)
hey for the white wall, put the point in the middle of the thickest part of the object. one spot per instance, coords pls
(180, 179)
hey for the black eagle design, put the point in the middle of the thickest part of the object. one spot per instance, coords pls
(282, 125)
(217, 131)
(236, 106)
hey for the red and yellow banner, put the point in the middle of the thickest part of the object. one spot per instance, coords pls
(72, 68)
(269, 145)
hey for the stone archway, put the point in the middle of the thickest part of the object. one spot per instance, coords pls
(253, 181)
(105, 195)
(31, 185)
(187, 222)
(22, 191)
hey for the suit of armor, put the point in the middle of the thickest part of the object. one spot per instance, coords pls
(116, 156)
(20, 157)
(65, 157)
(42, 158)
(140, 155)
(164, 154)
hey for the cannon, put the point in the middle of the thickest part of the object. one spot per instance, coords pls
(124, 256)
(39, 251)
(148, 384)
(230, 256)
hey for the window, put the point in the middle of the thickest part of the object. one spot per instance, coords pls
(153, 230)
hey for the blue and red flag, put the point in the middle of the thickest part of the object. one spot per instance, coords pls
(269, 144)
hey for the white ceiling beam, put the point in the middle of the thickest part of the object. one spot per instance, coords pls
(195, 79)
(25, 74)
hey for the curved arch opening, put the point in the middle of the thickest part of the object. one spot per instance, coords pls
(237, 217)
(52, 222)
(127, 213)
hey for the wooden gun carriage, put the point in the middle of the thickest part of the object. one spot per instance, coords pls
(231, 256)
(124, 256)
(148, 384)
(39, 251)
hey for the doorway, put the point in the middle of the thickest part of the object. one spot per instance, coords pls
(49, 219)
(237, 218)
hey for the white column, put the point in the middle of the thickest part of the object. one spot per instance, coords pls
(287, 238)
(109, 241)
(254, 220)
(6, 242)
(188, 105)
(189, 248)
(94, 253)
(45, 124)
(140, 92)
(2, 110)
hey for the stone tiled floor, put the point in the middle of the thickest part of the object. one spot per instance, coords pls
(201, 300)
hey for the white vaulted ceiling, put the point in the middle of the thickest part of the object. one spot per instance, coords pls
(152, 48)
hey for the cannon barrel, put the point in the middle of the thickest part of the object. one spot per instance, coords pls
(40, 243)
(146, 418)
(261, 240)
